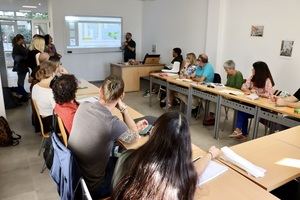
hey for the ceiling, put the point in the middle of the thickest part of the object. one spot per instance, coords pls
(16, 5)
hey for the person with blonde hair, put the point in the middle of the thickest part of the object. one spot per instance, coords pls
(189, 67)
(42, 93)
(95, 130)
(36, 47)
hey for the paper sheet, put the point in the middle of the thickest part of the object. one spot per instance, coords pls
(88, 99)
(244, 164)
(252, 96)
(234, 92)
(213, 170)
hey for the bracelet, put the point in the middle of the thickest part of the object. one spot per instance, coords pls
(212, 156)
(123, 109)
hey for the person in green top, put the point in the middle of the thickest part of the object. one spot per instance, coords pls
(234, 77)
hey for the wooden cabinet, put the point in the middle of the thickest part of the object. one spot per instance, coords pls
(131, 74)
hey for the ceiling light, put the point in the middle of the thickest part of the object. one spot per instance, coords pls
(29, 6)
(39, 4)
(25, 11)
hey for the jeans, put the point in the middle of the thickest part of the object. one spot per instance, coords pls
(105, 189)
(242, 122)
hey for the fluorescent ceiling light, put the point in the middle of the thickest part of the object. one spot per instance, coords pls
(29, 6)
(25, 11)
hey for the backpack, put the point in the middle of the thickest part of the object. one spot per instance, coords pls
(7, 136)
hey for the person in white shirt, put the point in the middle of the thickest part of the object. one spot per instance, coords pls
(42, 93)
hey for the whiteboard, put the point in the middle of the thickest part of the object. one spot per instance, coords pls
(86, 34)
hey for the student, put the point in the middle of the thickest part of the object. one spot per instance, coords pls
(261, 83)
(49, 46)
(42, 93)
(234, 77)
(94, 132)
(64, 91)
(163, 167)
(60, 69)
(177, 57)
(129, 48)
(205, 70)
(19, 55)
(37, 46)
(290, 101)
(189, 67)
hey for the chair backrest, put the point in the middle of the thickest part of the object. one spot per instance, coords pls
(39, 117)
(176, 66)
(62, 131)
(217, 78)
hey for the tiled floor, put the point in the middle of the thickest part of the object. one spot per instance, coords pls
(20, 176)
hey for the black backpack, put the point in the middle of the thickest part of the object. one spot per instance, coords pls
(7, 136)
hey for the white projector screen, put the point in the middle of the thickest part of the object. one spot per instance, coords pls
(93, 34)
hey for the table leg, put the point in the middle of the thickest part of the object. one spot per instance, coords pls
(217, 117)
(150, 97)
(189, 104)
(256, 122)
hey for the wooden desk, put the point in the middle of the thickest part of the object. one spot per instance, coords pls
(265, 152)
(290, 136)
(131, 74)
(231, 185)
(86, 89)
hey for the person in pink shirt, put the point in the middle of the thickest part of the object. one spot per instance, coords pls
(260, 83)
(64, 90)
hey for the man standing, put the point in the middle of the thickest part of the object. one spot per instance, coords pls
(129, 48)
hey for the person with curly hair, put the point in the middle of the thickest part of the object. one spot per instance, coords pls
(64, 91)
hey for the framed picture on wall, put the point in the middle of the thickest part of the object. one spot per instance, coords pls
(257, 31)
(286, 49)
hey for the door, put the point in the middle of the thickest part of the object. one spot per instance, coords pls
(40, 27)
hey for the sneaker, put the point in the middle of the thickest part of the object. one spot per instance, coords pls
(146, 94)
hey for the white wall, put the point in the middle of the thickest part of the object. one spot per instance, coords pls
(2, 108)
(174, 23)
(95, 66)
(281, 21)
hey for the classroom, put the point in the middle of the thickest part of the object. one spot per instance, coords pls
(149, 99)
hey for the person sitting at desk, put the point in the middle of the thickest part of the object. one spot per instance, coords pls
(177, 57)
(234, 77)
(94, 132)
(261, 83)
(163, 167)
(64, 91)
(290, 101)
(205, 70)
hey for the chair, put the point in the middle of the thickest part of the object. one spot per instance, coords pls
(175, 69)
(62, 131)
(44, 135)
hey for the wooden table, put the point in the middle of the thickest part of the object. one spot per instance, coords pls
(231, 185)
(86, 89)
(131, 74)
(265, 152)
(290, 136)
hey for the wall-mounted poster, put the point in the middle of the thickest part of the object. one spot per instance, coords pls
(257, 31)
(286, 48)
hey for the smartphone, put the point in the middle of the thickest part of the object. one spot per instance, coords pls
(146, 130)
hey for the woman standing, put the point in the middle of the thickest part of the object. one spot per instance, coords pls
(49, 46)
(260, 83)
(37, 46)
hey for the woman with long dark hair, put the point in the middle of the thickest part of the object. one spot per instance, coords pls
(163, 167)
(19, 55)
(261, 83)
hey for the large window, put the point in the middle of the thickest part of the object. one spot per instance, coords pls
(93, 34)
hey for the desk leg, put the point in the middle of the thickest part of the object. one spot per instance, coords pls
(167, 96)
(217, 117)
(150, 97)
(189, 104)
(256, 122)
(206, 109)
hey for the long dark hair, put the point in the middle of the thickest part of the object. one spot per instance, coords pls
(262, 73)
(16, 39)
(164, 162)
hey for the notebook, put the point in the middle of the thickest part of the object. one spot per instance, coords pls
(212, 171)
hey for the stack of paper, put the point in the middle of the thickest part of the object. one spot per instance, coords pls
(243, 163)
(88, 99)
(213, 170)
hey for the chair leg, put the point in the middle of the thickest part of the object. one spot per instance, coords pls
(41, 147)
(43, 167)
(226, 118)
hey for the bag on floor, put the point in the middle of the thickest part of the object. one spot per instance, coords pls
(7, 136)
